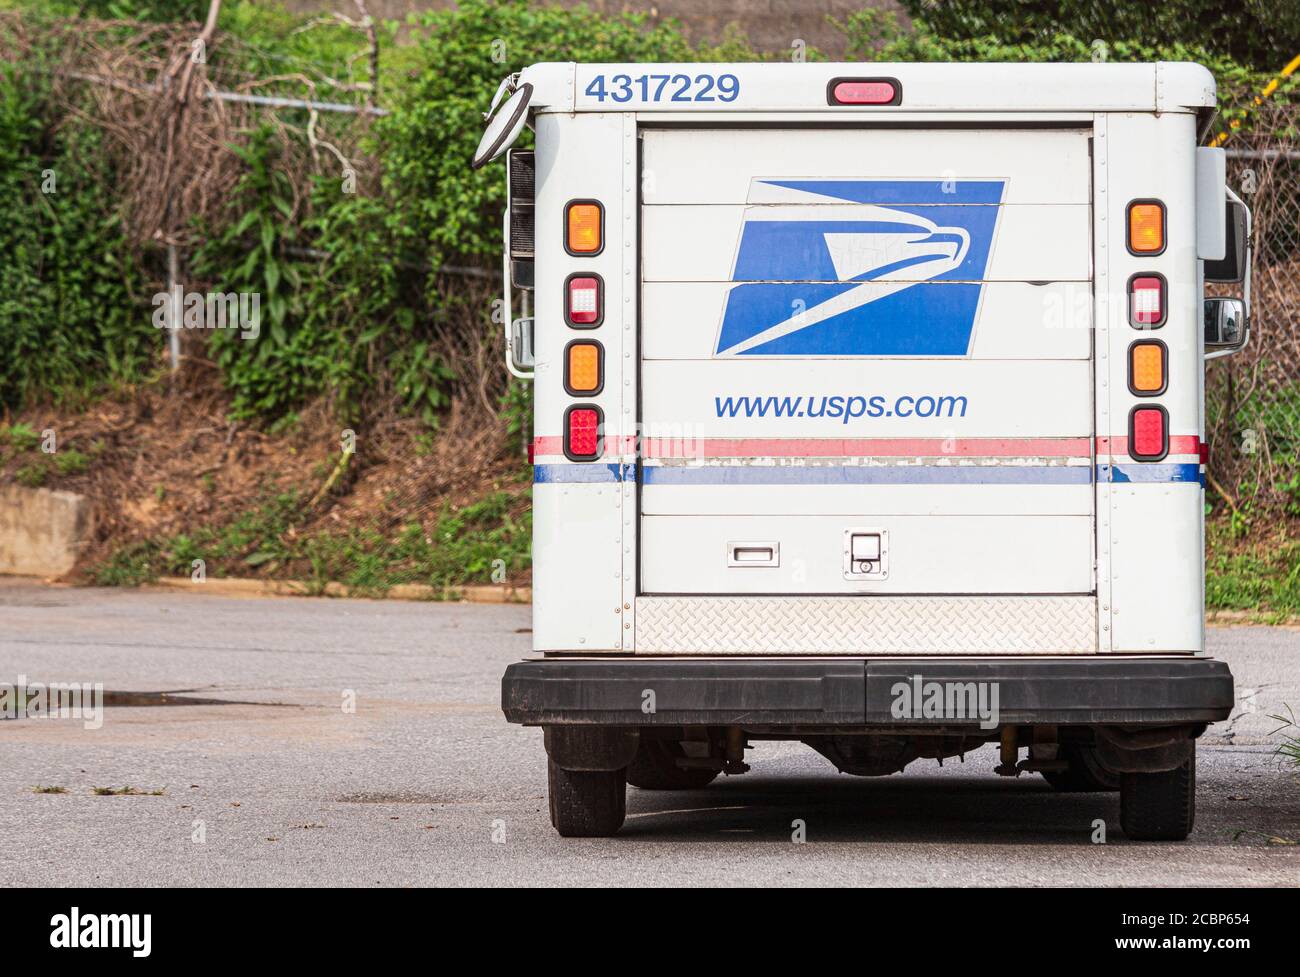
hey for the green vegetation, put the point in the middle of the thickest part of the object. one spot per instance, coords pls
(485, 542)
(20, 440)
(127, 791)
(19, 437)
(72, 316)
(361, 303)
(1289, 748)
(1259, 33)
(875, 35)
(1258, 575)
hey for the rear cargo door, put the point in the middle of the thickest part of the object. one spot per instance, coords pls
(866, 361)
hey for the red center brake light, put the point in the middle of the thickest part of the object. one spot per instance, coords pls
(1146, 437)
(864, 91)
(582, 433)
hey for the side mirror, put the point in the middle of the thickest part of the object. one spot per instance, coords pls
(1226, 329)
(521, 346)
(1231, 268)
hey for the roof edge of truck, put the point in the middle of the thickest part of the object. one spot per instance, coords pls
(1164, 86)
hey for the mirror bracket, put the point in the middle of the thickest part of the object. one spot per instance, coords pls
(1230, 317)
(519, 360)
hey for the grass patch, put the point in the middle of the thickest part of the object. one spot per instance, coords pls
(19, 437)
(488, 541)
(126, 792)
(32, 476)
(41, 789)
(70, 461)
(1252, 575)
(1289, 748)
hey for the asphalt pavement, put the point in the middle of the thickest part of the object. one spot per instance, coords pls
(358, 742)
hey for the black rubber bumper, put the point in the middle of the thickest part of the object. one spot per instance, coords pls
(860, 692)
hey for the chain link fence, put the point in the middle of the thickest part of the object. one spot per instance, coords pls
(1253, 397)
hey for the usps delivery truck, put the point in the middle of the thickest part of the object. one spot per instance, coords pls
(869, 413)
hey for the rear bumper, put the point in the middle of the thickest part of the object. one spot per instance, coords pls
(862, 692)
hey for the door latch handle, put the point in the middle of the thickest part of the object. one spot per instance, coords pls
(762, 553)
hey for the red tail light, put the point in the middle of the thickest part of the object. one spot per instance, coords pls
(864, 91)
(583, 432)
(1146, 301)
(1148, 437)
(583, 301)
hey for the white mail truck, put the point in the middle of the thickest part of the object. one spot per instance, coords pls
(869, 413)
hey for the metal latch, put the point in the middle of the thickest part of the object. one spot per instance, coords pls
(866, 553)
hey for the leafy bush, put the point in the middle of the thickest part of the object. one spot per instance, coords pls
(1260, 33)
(72, 314)
(373, 310)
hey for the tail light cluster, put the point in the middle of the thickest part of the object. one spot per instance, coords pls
(584, 308)
(1148, 359)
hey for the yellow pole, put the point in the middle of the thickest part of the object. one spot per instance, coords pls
(1269, 89)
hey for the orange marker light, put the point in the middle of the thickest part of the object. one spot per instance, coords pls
(583, 227)
(1146, 227)
(1146, 368)
(582, 368)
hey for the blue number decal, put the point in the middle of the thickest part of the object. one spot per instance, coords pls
(665, 88)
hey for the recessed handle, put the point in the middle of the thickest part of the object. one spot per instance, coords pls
(753, 553)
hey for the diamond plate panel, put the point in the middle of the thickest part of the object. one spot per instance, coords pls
(866, 625)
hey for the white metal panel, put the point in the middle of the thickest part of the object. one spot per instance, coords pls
(1109, 316)
(866, 625)
(1015, 320)
(577, 567)
(942, 87)
(1154, 536)
(928, 87)
(685, 166)
(1002, 398)
(846, 500)
(693, 243)
(1211, 213)
(1159, 570)
(578, 527)
(927, 555)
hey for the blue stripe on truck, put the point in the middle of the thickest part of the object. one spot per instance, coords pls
(867, 475)
(864, 474)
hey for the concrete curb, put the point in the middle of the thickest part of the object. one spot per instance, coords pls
(1227, 618)
(238, 587)
(476, 594)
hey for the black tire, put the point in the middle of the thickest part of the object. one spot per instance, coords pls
(1086, 774)
(587, 803)
(655, 768)
(1159, 806)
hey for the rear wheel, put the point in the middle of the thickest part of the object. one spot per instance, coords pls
(1086, 774)
(655, 768)
(1159, 806)
(587, 803)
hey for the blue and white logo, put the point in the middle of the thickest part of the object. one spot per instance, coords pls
(843, 268)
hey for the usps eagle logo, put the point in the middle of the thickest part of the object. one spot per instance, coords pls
(860, 267)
